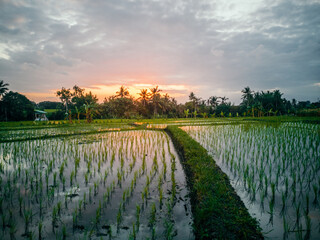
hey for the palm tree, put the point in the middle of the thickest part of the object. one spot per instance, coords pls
(155, 96)
(223, 99)
(213, 101)
(123, 92)
(277, 99)
(3, 88)
(144, 96)
(166, 104)
(65, 96)
(194, 99)
(247, 97)
(166, 97)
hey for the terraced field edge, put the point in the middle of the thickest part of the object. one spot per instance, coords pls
(218, 211)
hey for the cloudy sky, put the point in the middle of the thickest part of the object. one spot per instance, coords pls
(210, 47)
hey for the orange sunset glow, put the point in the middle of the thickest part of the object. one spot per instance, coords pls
(213, 48)
(103, 91)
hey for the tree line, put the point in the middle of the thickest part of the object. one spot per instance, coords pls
(77, 104)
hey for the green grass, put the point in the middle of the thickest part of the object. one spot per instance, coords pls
(218, 211)
(51, 110)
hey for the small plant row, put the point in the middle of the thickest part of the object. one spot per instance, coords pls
(277, 166)
(217, 210)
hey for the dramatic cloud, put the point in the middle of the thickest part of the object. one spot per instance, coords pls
(209, 47)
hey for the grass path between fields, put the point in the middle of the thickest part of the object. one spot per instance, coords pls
(218, 211)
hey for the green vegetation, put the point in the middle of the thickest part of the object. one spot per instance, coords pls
(218, 212)
(76, 105)
(276, 165)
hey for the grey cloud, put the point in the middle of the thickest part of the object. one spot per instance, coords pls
(276, 45)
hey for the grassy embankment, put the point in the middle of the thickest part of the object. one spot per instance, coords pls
(218, 211)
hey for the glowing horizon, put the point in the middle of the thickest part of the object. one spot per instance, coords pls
(213, 48)
(105, 91)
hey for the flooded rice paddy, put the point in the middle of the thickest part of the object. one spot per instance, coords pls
(117, 185)
(275, 169)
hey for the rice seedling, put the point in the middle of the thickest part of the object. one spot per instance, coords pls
(3, 219)
(286, 227)
(66, 201)
(138, 212)
(86, 162)
(96, 188)
(59, 204)
(307, 204)
(54, 179)
(90, 197)
(143, 163)
(27, 214)
(71, 178)
(283, 209)
(98, 216)
(13, 230)
(64, 232)
(152, 218)
(105, 177)
(54, 218)
(315, 192)
(297, 210)
(308, 226)
(134, 234)
(169, 230)
(168, 222)
(40, 226)
(61, 170)
(119, 217)
(63, 183)
(20, 199)
(277, 162)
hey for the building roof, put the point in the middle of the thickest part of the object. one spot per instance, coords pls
(39, 111)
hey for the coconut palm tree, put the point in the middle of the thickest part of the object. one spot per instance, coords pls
(223, 99)
(155, 97)
(278, 102)
(123, 92)
(213, 101)
(194, 99)
(3, 88)
(247, 97)
(166, 104)
(144, 96)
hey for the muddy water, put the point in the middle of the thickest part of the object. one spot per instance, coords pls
(93, 180)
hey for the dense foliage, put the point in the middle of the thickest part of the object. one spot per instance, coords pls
(15, 106)
(76, 104)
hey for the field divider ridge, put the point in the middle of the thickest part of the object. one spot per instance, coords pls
(218, 211)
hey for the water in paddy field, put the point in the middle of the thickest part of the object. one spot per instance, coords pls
(275, 169)
(117, 185)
